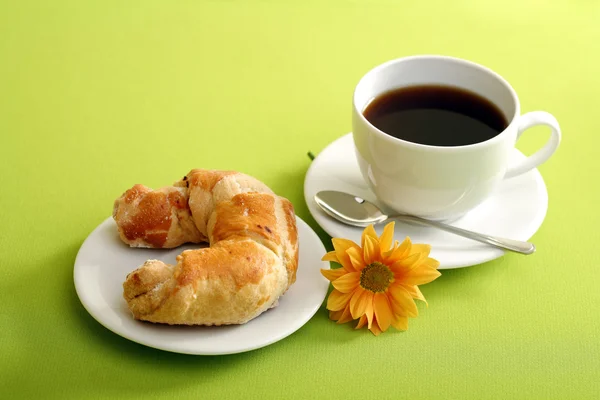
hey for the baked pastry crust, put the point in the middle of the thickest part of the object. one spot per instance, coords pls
(252, 258)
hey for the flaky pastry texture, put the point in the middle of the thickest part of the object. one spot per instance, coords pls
(252, 258)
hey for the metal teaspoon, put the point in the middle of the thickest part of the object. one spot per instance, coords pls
(353, 210)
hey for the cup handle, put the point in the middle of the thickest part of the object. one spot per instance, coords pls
(527, 121)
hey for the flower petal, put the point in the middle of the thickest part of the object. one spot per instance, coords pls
(402, 302)
(369, 312)
(406, 263)
(333, 274)
(423, 249)
(331, 256)
(337, 300)
(415, 292)
(397, 308)
(361, 322)
(371, 250)
(383, 311)
(375, 328)
(356, 258)
(386, 254)
(341, 246)
(406, 245)
(347, 282)
(335, 315)
(386, 238)
(358, 303)
(431, 262)
(369, 231)
(400, 323)
(400, 251)
(420, 275)
(345, 316)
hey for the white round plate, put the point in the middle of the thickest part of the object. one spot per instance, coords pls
(516, 210)
(104, 261)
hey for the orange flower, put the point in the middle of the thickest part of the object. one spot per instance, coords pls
(378, 281)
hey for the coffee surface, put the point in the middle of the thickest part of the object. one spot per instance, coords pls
(436, 115)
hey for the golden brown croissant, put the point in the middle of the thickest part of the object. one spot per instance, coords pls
(251, 261)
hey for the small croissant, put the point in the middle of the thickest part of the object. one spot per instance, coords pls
(252, 258)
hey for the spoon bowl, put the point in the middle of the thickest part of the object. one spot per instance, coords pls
(349, 209)
(356, 211)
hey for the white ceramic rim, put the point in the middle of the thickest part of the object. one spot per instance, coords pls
(100, 308)
(471, 64)
(325, 177)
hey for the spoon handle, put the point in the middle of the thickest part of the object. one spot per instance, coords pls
(508, 244)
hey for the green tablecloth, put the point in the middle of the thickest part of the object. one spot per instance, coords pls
(98, 95)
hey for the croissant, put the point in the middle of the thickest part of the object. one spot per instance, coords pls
(252, 258)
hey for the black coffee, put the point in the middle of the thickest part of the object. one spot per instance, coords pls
(436, 115)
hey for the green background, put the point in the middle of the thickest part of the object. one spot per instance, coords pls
(98, 95)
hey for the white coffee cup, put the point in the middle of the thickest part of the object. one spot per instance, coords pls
(437, 182)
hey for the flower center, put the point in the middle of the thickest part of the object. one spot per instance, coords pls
(376, 277)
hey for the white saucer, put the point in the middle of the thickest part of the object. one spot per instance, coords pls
(104, 261)
(516, 210)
